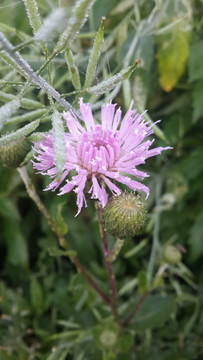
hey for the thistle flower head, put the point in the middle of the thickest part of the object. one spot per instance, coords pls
(106, 153)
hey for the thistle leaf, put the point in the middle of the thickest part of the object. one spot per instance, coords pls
(28, 116)
(94, 56)
(74, 74)
(24, 103)
(33, 14)
(59, 142)
(172, 56)
(79, 17)
(113, 81)
(19, 134)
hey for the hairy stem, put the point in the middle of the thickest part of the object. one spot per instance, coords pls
(61, 239)
(108, 264)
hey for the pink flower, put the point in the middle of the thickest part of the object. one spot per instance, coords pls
(101, 154)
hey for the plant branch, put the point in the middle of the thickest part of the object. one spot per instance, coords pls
(108, 264)
(61, 239)
(137, 307)
(30, 74)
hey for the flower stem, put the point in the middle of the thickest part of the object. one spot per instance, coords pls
(61, 239)
(108, 264)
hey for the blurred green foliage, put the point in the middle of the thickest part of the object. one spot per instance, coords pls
(47, 310)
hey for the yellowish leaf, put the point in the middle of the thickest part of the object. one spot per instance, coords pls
(172, 56)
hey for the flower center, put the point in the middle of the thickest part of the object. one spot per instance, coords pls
(98, 150)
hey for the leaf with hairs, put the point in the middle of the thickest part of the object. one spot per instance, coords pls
(94, 56)
(59, 142)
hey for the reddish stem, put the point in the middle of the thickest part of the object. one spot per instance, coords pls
(108, 264)
(137, 307)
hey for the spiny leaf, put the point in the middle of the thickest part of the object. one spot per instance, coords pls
(94, 56)
(19, 134)
(172, 56)
(79, 16)
(74, 74)
(33, 14)
(7, 110)
(113, 81)
(59, 142)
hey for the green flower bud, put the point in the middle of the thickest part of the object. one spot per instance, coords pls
(108, 338)
(13, 154)
(171, 255)
(124, 216)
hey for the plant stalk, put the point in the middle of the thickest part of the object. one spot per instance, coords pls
(108, 264)
(61, 239)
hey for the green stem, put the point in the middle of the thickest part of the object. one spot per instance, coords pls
(61, 239)
(108, 264)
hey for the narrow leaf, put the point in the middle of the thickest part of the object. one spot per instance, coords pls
(113, 81)
(28, 116)
(8, 60)
(17, 135)
(74, 74)
(54, 22)
(79, 17)
(59, 143)
(24, 103)
(94, 56)
(33, 14)
(7, 110)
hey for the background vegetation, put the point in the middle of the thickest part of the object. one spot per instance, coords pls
(48, 311)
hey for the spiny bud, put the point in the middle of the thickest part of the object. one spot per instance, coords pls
(13, 154)
(124, 216)
(171, 255)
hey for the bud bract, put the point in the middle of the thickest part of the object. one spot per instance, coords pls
(171, 255)
(124, 216)
(13, 153)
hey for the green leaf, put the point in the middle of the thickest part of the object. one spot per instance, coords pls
(33, 14)
(73, 70)
(195, 61)
(172, 55)
(7, 110)
(59, 143)
(79, 16)
(17, 253)
(94, 56)
(53, 23)
(36, 295)
(195, 239)
(154, 312)
(197, 100)
(19, 134)
(9, 209)
(9, 60)
(124, 343)
(24, 103)
(30, 115)
(113, 81)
